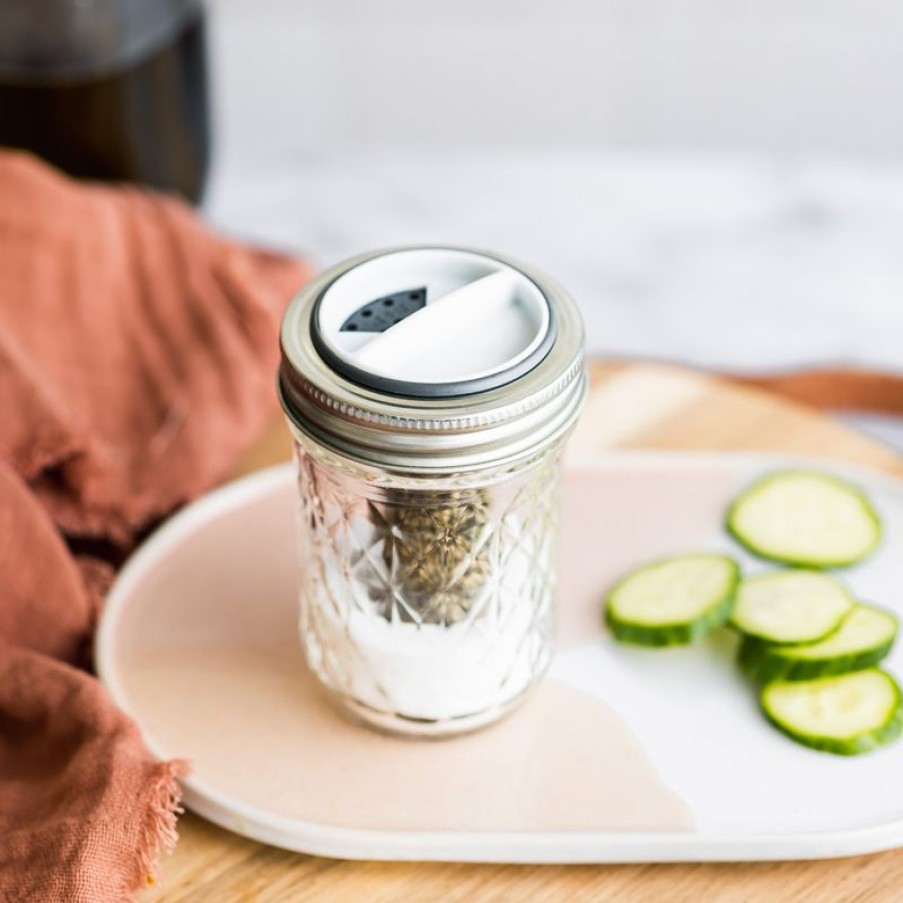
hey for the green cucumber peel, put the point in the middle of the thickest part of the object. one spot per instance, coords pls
(673, 601)
(804, 518)
(863, 639)
(847, 714)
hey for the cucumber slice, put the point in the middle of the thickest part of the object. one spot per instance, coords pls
(805, 518)
(863, 639)
(847, 714)
(795, 606)
(673, 601)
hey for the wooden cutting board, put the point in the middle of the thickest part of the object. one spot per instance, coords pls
(630, 406)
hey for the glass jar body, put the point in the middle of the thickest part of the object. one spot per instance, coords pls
(426, 602)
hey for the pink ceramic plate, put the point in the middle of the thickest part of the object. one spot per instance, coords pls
(623, 754)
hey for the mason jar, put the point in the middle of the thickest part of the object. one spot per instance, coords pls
(429, 392)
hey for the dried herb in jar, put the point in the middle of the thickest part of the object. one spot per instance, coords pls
(437, 547)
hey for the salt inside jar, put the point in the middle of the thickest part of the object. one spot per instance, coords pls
(429, 392)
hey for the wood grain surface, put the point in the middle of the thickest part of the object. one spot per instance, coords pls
(631, 406)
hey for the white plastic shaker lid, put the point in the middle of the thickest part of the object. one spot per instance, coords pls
(432, 322)
(432, 360)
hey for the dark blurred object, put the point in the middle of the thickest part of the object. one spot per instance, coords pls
(108, 89)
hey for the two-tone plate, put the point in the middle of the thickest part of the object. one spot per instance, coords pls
(623, 754)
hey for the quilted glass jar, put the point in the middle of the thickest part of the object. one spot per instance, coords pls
(429, 392)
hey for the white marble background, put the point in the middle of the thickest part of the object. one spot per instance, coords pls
(756, 223)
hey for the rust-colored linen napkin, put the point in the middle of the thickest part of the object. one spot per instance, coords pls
(137, 360)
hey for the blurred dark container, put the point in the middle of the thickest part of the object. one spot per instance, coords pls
(109, 89)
